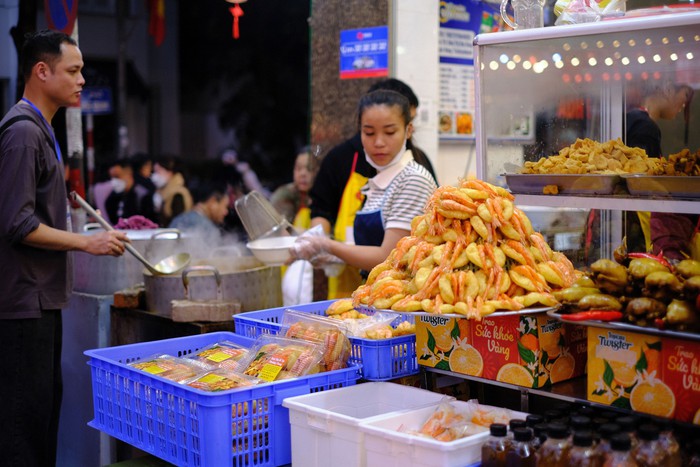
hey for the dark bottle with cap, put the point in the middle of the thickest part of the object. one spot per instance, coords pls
(605, 432)
(534, 419)
(554, 452)
(628, 424)
(493, 451)
(620, 454)
(649, 452)
(582, 453)
(540, 432)
(521, 452)
(669, 443)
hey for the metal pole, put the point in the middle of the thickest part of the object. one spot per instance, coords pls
(123, 133)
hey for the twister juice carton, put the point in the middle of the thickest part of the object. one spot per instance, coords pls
(530, 350)
(623, 367)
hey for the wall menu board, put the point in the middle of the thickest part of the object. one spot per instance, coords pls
(460, 21)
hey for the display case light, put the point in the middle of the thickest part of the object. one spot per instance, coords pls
(592, 61)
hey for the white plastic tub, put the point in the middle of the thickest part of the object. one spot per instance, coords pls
(325, 425)
(387, 447)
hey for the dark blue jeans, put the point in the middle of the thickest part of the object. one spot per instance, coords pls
(30, 390)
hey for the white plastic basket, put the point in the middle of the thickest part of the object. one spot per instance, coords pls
(325, 425)
(387, 447)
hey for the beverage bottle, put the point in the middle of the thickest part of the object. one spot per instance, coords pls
(628, 424)
(493, 451)
(669, 443)
(578, 423)
(521, 452)
(582, 453)
(620, 454)
(554, 452)
(516, 423)
(606, 432)
(693, 459)
(534, 419)
(552, 415)
(540, 432)
(649, 451)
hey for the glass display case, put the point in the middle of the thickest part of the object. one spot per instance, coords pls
(538, 90)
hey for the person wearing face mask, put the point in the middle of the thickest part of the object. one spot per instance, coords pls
(335, 194)
(172, 196)
(207, 216)
(391, 199)
(127, 198)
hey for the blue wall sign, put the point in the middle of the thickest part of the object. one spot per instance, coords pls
(96, 100)
(364, 53)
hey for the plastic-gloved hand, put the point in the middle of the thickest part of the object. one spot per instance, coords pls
(309, 247)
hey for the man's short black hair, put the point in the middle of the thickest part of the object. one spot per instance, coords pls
(393, 84)
(203, 190)
(42, 46)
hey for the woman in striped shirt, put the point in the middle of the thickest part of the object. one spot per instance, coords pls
(392, 198)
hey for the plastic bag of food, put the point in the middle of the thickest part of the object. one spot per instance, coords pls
(169, 367)
(380, 325)
(273, 358)
(220, 379)
(224, 354)
(330, 333)
(485, 415)
(448, 423)
(587, 11)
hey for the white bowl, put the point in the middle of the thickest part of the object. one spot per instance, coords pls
(273, 251)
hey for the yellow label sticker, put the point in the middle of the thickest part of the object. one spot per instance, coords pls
(211, 378)
(154, 369)
(218, 357)
(269, 372)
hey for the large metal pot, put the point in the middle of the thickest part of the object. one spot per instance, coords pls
(241, 278)
(104, 275)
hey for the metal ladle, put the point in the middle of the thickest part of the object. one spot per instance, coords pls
(170, 265)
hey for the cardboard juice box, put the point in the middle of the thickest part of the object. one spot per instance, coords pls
(624, 368)
(445, 343)
(530, 350)
(679, 394)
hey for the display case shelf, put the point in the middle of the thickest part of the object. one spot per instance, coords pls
(611, 202)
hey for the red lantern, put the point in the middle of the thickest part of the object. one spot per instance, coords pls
(237, 12)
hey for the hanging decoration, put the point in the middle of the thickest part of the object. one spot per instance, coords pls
(237, 12)
(61, 14)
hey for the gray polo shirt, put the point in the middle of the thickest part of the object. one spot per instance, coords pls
(32, 191)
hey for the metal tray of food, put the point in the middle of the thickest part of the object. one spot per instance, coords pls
(524, 311)
(619, 326)
(667, 186)
(567, 184)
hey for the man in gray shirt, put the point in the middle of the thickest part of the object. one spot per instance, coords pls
(34, 242)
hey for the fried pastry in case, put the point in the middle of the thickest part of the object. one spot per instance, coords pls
(273, 358)
(224, 354)
(173, 368)
(220, 379)
(330, 333)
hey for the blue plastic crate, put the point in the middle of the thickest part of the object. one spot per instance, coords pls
(381, 360)
(189, 427)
